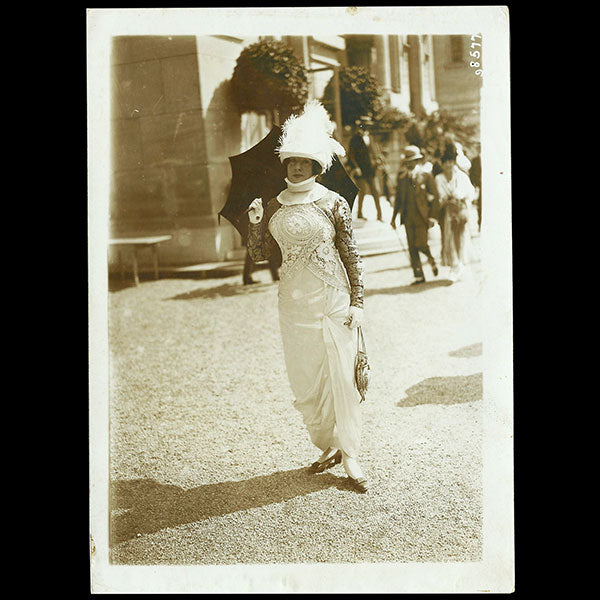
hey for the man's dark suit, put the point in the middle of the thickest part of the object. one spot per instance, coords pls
(417, 200)
(366, 158)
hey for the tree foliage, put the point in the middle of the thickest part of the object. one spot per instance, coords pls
(268, 76)
(360, 95)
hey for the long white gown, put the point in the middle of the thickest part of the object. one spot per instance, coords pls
(314, 298)
(457, 237)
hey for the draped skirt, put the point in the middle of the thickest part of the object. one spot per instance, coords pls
(319, 353)
(456, 242)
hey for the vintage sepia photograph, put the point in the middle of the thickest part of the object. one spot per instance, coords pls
(300, 300)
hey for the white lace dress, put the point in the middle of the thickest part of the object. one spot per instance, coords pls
(314, 297)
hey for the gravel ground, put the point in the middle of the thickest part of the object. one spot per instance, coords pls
(208, 454)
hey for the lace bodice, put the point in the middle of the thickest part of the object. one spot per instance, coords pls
(317, 236)
(307, 239)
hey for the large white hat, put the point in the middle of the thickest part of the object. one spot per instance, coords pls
(308, 135)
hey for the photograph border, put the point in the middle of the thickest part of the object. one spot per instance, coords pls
(495, 573)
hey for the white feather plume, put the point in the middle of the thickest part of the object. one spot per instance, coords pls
(309, 135)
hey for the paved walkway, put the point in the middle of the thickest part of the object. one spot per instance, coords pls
(208, 454)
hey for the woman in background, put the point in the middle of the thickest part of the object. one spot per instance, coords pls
(456, 193)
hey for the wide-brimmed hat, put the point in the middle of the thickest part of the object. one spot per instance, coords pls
(411, 153)
(309, 135)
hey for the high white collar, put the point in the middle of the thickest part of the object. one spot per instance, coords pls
(302, 193)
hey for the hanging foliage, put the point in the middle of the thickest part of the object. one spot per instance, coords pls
(360, 95)
(268, 76)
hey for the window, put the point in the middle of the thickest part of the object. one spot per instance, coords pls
(456, 49)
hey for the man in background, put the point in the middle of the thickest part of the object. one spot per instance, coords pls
(364, 160)
(418, 204)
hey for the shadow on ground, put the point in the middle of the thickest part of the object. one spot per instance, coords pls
(223, 291)
(116, 285)
(410, 289)
(468, 351)
(386, 269)
(146, 506)
(444, 390)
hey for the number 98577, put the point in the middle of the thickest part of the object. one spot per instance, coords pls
(475, 54)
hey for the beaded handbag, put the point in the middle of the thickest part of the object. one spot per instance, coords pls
(361, 366)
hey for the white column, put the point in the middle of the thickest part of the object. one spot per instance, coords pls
(308, 65)
(383, 62)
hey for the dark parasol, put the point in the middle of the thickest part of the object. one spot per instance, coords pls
(258, 173)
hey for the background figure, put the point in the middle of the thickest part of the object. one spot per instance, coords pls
(446, 147)
(438, 149)
(456, 193)
(402, 172)
(475, 176)
(249, 266)
(385, 175)
(364, 160)
(417, 202)
(462, 160)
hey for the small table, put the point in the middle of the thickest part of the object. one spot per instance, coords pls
(136, 244)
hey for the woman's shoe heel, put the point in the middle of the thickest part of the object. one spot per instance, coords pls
(319, 467)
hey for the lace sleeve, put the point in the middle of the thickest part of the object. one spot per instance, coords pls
(260, 243)
(348, 249)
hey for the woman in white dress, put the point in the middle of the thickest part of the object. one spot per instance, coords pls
(320, 291)
(456, 193)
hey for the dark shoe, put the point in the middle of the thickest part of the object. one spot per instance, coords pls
(433, 266)
(249, 281)
(360, 485)
(417, 281)
(319, 467)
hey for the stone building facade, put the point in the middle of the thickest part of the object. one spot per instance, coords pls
(458, 87)
(174, 126)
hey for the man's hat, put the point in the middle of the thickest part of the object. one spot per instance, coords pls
(412, 153)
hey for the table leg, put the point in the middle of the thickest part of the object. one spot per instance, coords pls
(155, 259)
(136, 277)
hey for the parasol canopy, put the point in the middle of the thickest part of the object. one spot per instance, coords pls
(258, 173)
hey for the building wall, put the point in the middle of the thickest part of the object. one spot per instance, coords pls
(224, 132)
(174, 126)
(458, 88)
(398, 93)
